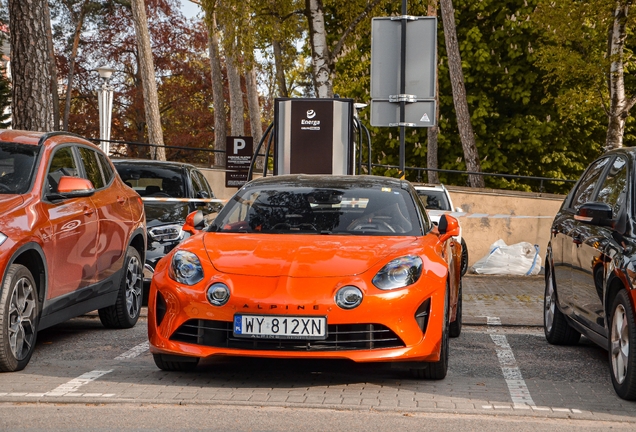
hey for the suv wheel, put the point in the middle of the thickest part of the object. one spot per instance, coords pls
(18, 318)
(455, 328)
(125, 312)
(622, 347)
(464, 262)
(555, 326)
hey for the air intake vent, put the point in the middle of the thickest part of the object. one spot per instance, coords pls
(340, 337)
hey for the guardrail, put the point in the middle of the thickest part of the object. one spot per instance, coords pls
(121, 149)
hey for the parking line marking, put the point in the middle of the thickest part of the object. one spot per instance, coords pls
(134, 352)
(74, 384)
(517, 387)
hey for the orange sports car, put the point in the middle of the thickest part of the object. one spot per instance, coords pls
(306, 266)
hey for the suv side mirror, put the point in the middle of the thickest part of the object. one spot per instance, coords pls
(72, 187)
(595, 213)
(194, 222)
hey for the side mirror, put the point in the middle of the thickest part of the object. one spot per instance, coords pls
(595, 213)
(448, 227)
(72, 187)
(194, 222)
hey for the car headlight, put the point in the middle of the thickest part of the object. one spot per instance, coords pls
(166, 233)
(399, 273)
(2, 238)
(218, 294)
(186, 268)
(348, 297)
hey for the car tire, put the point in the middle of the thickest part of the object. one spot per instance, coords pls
(19, 313)
(174, 364)
(464, 262)
(437, 370)
(125, 312)
(622, 347)
(455, 328)
(555, 325)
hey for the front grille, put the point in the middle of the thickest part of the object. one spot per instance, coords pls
(340, 337)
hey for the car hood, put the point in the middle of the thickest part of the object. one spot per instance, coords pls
(162, 213)
(274, 255)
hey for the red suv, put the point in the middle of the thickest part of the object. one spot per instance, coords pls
(72, 239)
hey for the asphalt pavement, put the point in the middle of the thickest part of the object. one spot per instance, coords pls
(515, 300)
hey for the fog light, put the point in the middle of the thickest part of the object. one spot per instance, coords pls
(349, 297)
(218, 294)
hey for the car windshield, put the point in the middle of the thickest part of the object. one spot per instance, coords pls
(17, 165)
(434, 199)
(153, 181)
(345, 210)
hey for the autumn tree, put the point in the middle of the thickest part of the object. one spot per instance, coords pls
(32, 101)
(586, 52)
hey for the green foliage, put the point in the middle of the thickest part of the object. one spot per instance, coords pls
(519, 128)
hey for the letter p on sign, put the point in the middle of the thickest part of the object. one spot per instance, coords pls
(239, 144)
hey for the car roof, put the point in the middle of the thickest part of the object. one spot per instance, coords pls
(327, 180)
(150, 162)
(39, 138)
(427, 186)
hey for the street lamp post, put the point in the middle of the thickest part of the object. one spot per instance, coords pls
(105, 102)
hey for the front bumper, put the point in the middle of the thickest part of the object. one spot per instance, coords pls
(382, 329)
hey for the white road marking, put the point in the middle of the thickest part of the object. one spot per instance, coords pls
(74, 384)
(134, 352)
(517, 388)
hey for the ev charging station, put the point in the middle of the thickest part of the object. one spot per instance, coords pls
(313, 136)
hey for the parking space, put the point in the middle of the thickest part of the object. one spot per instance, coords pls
(494, 369)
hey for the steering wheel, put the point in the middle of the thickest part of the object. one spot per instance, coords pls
(375, 225)
(5, 188)
(160, 194)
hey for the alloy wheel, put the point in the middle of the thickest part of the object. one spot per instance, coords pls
(549, 303)
(134, 285)
(22, 311)
(619, 344)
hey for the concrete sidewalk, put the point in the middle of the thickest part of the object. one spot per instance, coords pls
(516, 300)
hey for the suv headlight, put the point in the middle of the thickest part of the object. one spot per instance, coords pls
(186, 268)
(399, 273)
(2, 238)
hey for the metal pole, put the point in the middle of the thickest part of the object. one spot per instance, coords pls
(105, 103)
(403, 91)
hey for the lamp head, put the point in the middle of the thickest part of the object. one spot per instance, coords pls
(105, 72)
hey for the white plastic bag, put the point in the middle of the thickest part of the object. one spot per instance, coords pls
(517, 259)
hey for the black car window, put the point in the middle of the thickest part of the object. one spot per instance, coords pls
(17, 163)
(91, 165)
(107, 170)
(614, 186)
(162, 181)
(434, 199)
(588, 183)
(201, 187)
(62, 164)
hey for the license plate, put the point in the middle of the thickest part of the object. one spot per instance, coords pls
(280, 327)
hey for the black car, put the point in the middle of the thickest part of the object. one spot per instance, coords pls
(169, 191)
(591, 266)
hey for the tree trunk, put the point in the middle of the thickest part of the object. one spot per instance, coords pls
(433, 132)
(254, 105)
(280, 70)
(31, 97)
(151, 99)
(321, 57)
(466, 134)
(237, 122)
(220, 129)
(618, 109)
(71, 68)
(53, 66)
